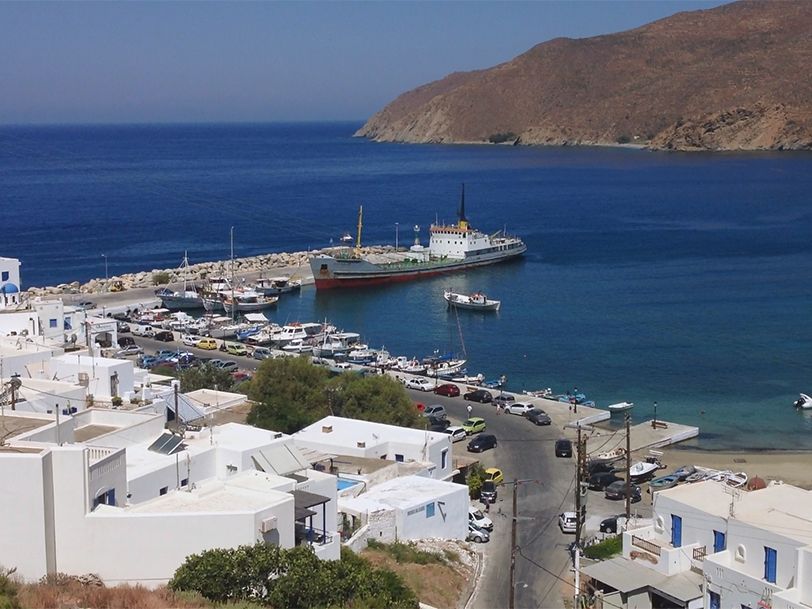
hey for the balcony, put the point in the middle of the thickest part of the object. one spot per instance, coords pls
(326, 544)
(651, 549)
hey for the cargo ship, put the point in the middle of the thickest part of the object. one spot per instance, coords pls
(451, 248)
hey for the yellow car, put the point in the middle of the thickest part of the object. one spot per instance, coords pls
(495, 475)
(236, 350)
(206, 343)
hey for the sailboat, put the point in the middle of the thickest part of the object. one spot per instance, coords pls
(187, 298)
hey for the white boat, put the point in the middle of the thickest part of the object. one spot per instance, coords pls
(413, 366)
(804, 402)
(736, 479)
(185, 299)
(620, 406)
(642, 469)
(446, 368)
(547, 392)
(298, 345)
(273, 286)
(247, 301)
(611, 455)
(476, 301)
(469, 380)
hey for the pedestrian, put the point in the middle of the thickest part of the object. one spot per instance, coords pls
(470, 408)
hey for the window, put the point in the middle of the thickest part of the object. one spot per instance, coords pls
(770, 561)
(718, 541)
(430, 510)
(164, 490)
(4, 276)
(676, 530)
(399, 458)
(52, 323)
(184, 482)
(714, 600)
(444, 459)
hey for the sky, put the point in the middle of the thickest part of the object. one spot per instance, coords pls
(135, 62)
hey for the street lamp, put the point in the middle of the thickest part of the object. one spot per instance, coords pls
(105, 272)
(654, 423)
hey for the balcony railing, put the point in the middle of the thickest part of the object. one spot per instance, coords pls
(645, 544)
(313, 537)
(700, 553)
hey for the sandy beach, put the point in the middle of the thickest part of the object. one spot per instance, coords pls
(792, 467)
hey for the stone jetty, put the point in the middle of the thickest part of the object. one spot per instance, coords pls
(295, 263)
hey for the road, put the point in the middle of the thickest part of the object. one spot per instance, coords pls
(526, 452)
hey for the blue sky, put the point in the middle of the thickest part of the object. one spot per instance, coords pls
(274, 61)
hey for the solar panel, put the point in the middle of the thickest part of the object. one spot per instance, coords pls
(167, 444)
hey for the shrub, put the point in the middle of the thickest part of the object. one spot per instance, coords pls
(605, 549)
(500, 138)
(475, 478)
(117, 401)
(623, 139)
(407, 552)
(161, 278)
(8, 590)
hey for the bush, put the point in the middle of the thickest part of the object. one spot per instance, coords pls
(605, 549)
(407, 553)
(475, 478)
(500, 138)
(623, 139)
(8, 590)
(161, 278)
(117, 401)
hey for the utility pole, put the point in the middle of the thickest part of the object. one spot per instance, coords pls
(628, 419)
(514, 523)
(580, 511)
(177, 412)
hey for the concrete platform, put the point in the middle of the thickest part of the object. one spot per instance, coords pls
(643, 436)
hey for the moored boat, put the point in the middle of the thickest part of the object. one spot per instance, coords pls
(187, 298)
(664, 482)
(476, 301)
(620, 406)
(273, 286)
(642, 470)
(804, 402)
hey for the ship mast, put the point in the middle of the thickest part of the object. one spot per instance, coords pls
(358, 238)
(463, 221)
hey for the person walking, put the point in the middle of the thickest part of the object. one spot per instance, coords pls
(470, 408)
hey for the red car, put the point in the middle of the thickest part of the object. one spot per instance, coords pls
(448, 390)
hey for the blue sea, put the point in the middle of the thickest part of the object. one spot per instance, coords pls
(684, 279)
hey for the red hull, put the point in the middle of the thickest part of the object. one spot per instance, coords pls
(324, 284)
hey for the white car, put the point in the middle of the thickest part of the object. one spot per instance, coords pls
(478, 518)
(129, 350)
(567, 522)
(518, 408)
(190, 340)
(420, 384)
(145, 331)
(456, 433)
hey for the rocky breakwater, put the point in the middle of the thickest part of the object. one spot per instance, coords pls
(295, 264)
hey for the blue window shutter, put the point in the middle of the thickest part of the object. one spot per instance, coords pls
(719, 541)
(770, 561)
(714, 600)
(676, 530)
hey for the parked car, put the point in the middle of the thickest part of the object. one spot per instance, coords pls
(518, 408)
(125, 341)
(438, 423)
(236, 350)
(611, 524)
(563, 448)
(206, 343)
(145, 331)
(481, 443)
(474, 425)
(447, 389)
(495, 475)
(435, 410)
(164, 336)
(538, 417)
(456, 432)
(129, 350)
(600, 480)
(478, 395)
(617, 490)
(488, 492)
(241, 375)
(190, 340)
(476, 534)
(568, 522)
(263, 353)
(503, 399)
(477, 517)
(122, 327)
(229, 366)
(420, 384)
(86, 304)
(597, 467)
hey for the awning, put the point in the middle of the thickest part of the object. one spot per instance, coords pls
(626, 576)
(300, 513)
(304, 499)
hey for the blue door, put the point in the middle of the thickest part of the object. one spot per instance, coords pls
(714, 600)
(718, 541)
(676, 531)
(770, 560)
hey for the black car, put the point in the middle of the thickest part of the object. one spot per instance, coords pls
(164, 336)
(538, 417)
(599, 481)
(478, 395)
(482, 442)
(122, 327)
(609, 525)
(600, 467)
(125, 341)
(563, 448)
(488, 492)
(617, 490)
(438, 424)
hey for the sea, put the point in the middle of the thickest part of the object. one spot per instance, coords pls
(677, 279)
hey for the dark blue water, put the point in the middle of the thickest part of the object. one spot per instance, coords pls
(680, 278)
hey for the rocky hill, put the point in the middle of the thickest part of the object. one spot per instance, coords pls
(736, 77)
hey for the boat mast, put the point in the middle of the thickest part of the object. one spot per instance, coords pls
(358, 238)
(463, 221)
(233, 303)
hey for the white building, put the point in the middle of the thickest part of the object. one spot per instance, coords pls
(105, 378)
(365, 439)
(112, 492)
(9, 283)
(715, 547)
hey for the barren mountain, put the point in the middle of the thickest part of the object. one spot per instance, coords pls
(736, 77)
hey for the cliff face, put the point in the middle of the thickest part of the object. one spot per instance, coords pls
(734, 77)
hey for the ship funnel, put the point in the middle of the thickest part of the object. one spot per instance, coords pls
(463, 221)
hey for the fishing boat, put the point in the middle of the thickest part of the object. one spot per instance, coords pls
(447, 368)
(620, 406)
(804, 402)
(610, 455)
(246, 301)
(547, 392)
(476, 301)
(469, 380)
(452, 248)
(642, 470)
(664, 482)
(736, 479)
(187, 298)
(274, 286)
(298, 345)
(336, 343)
(412, 366)
(684, 472)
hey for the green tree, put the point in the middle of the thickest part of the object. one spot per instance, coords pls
(475, 478)
(205, 377)
(374, 398)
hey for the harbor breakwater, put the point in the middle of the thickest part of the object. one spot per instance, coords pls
(296, 264)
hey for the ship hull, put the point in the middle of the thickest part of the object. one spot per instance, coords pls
(332, 273)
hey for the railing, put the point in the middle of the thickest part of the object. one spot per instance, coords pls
(97, 453)
(700, 553)
(646, 545)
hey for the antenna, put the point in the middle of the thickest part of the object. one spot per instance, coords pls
(735, 495)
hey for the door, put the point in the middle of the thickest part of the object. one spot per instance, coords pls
(676, 530)
(718, 541)
(770, 562)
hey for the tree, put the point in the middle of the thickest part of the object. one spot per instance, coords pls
(205, 377)
(475, 478)
(374, 398)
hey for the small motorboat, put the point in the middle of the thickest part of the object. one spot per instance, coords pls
(476, 301)
(803, 402)
(736, 479)
(620, 406)
(469, 380)
(547, 392)
(298, 345)
(664, 482)
(700, 474)
(684, 472)
(609, 456)
(642, 470)
(495, 383)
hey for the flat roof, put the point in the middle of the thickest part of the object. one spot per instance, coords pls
(89, 432)
(405, 492)
(11, 425)
(626, 576)
(347, 432)
(709, 496)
